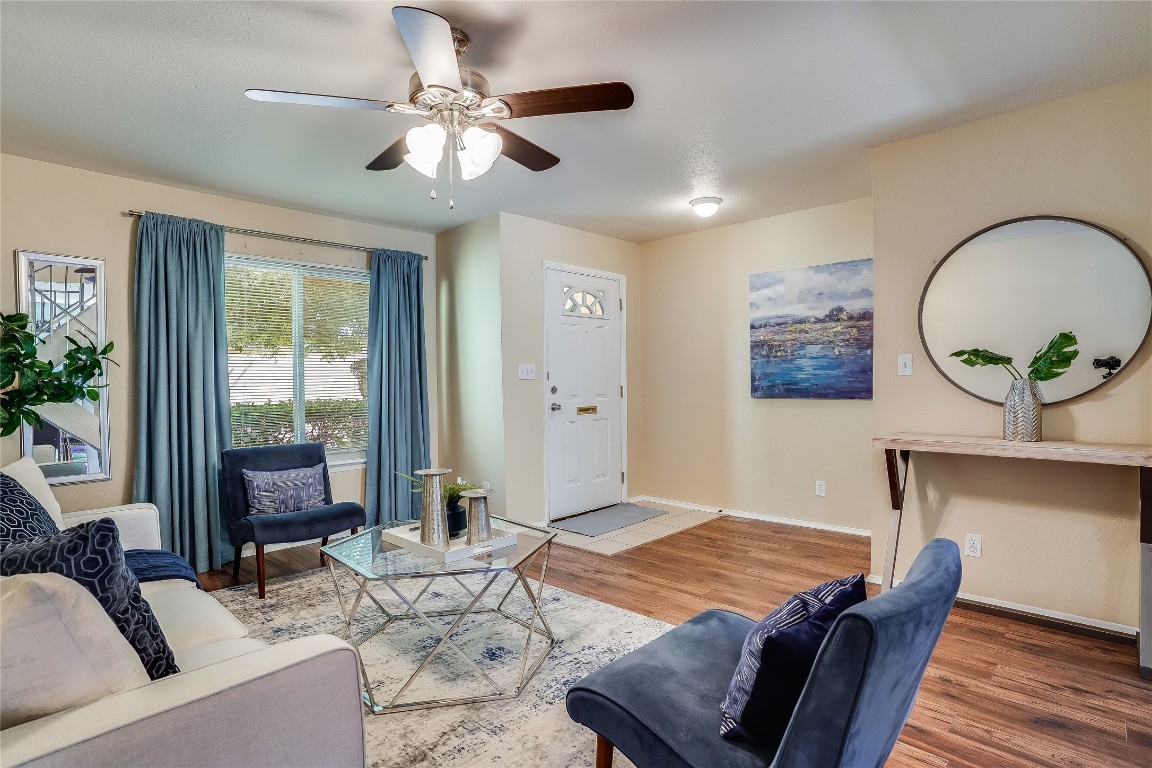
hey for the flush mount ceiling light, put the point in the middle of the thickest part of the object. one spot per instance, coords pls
(705, 206)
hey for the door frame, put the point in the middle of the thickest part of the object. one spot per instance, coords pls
(622, 280)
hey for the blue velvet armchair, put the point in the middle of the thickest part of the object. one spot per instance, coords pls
(285, 527)
(660, 704)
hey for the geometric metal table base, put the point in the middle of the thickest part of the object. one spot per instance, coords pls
(536, 626)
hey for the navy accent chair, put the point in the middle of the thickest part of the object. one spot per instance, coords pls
(660, 704)
(285, 527)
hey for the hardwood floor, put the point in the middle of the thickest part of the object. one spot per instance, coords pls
(998, 692)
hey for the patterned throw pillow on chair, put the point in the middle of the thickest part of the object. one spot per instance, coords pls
(289, 490)
(777, 658)
(90, 554)
(21, 516)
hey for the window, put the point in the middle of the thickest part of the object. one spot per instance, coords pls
(583, 301)
(297, 354)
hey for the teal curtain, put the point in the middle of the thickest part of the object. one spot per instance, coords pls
(397, 385)
(182, 419)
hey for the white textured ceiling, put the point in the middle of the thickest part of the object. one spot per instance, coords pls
(772, 106)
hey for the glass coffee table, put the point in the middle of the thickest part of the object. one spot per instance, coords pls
(370, 559)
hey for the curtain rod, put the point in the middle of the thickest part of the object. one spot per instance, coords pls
(286, 238)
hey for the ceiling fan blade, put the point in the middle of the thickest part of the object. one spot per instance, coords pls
(390, 158)
(428, 37)
(575, 98)
(320, 100)
(516, 147)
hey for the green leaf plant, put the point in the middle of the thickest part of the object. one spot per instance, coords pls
(27, 382)
(451, 492)
(1048, 363)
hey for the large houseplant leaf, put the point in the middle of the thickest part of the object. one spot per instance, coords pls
(27, 381)
(1053, 360)
(979, 357)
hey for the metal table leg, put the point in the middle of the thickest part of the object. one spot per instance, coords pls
(1145, 637)
(897, 465)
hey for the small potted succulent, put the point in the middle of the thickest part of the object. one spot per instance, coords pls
(1022, 407)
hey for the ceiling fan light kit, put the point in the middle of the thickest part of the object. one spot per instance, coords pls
(455, 101)
(705, 206)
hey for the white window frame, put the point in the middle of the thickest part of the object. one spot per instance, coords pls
(340, 459)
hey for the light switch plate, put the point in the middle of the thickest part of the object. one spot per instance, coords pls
(527, 371)
(904, 364)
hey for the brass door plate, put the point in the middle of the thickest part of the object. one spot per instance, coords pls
(586, 410)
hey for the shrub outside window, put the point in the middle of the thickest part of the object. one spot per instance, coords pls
(297, 354)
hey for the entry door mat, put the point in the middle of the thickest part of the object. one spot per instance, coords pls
(600, 521)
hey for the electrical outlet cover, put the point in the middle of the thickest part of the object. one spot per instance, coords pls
(972, 545)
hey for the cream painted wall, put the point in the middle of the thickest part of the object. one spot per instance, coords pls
(57, 209)
(525, 244)
(705, 439)
(471, 387)
(1062, 537)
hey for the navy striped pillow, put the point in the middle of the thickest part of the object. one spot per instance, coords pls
(288, 490)
(777, 658)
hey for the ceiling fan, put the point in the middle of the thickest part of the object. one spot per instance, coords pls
(455, 101)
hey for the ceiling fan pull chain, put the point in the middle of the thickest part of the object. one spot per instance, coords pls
(451, 175)
(432, 195)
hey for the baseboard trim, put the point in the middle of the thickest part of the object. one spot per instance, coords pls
(756, 516)
(1030, 614)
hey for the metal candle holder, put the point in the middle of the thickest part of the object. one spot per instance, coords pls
(479, 523)
(433, 514)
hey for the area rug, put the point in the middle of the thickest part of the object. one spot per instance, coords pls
(600, 521)
(531, 731)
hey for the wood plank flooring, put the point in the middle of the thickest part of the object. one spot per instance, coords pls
(998, 692)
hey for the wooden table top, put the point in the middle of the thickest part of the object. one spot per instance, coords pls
(1056, 450)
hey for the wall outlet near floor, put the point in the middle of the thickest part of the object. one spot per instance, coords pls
(972, 545)
(820, 488)
(904, 364)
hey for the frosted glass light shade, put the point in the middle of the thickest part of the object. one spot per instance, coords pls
(425, 148)
(481, 149)
(705, 206)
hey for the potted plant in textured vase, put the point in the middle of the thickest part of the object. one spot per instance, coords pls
(1024, 403)
(27, 381)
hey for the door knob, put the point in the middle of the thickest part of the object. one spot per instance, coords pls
(556, 406)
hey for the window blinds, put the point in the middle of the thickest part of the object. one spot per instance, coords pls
(297, 354)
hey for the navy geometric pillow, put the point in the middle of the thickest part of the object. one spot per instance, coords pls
(91, 555)
(288, 490)
(777, 658)
(21, 516)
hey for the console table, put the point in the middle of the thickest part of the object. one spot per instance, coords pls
(898, 448)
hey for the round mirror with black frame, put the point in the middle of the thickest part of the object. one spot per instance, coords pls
(1013, 288)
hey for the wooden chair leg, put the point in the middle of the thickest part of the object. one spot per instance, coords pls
(236, 563)
(323, 543)
(603, 752)
(260, 569)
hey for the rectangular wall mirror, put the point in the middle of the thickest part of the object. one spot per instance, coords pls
(64, 296)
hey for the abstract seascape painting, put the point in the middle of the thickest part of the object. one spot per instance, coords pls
(811, 332)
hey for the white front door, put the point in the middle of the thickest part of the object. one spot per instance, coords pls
(584, 399)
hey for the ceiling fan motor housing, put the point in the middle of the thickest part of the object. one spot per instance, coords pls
(475, 90)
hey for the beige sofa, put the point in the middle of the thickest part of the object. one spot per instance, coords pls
(236, 701)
